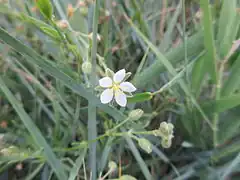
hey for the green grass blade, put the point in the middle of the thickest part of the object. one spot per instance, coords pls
(198, 73)
(210, 61)
(232, 83)
(223, 104)
(35, 133)
(227, 26)
(92, 110)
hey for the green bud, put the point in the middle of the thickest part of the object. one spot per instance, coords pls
(166, 129)
(87, 67)
(84, 11)
(145, 145)
(109, 72)
(127, 177)
(135, 114)
(112, 165)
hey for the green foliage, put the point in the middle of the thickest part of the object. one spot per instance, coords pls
(45, 8)
(185, 66)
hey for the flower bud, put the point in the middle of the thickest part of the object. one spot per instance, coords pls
(62, 24)
(166, 129)
(84, 11)
(135, 114)
(112, 165)
(87, 67)
(145, 145)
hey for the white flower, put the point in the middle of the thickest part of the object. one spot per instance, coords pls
(115, 87)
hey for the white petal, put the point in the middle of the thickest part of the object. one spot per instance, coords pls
(105, 82)
(119, 76)
(127, 87)
(106, 96)
(120, 98)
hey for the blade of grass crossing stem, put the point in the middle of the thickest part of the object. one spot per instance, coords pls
(172, 71)
(78, 163)
(72, 84)
(210, 61)
(35, 133)
(92, 111)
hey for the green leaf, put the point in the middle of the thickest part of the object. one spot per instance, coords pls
(227, 27)
(140, 97)
(226, 103)
(232, 83)
(35, 133)
(51, 32)
(198, 73)
(210, 61)
(45, 8)
(223, 104)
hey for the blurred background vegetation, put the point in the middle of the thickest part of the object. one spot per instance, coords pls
(185, 52)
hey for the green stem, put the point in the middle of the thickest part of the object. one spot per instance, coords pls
(92, 111)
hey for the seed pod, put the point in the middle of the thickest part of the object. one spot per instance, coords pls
(87, 67)
(145, 145)
(135, 114)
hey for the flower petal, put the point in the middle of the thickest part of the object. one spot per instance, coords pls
(119, 76)
(120, 98)
(105, 82)
(106, 96)
(127, 87)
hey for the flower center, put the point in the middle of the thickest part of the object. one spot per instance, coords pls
(115, 87)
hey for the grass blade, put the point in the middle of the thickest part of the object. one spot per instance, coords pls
(232, 83)
(35, 133)
(210, 61)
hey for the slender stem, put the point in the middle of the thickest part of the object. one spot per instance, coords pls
(119, 125)
(92, 111)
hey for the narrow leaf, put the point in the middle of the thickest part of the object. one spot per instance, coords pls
(45, 8)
